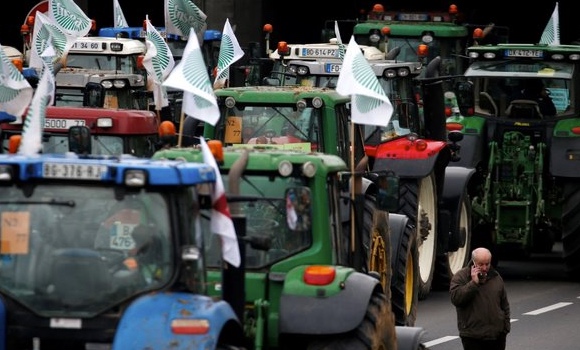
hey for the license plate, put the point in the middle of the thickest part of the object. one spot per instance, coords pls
(74, 171)
(87, 46)
(313, 52)
(62, 124)
(524, 53)
(332, 68)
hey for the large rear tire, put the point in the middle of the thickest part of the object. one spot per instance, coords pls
(375, 332)
(418, 200)
(405, 266)
(571, 228)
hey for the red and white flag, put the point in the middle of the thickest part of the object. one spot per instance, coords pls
(221, 220)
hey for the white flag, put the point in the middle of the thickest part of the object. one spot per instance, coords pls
(48, 36)
(15, 91)
(181, 15)
(370, 105)
(221, 219)
(341, 46)
(230, 52)
(158, 62)
(69, 17)
(190, 75)
(31, 142)
(119, 17)
(551, 34)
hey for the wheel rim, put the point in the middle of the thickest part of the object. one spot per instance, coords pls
(426, 224)
(459, 258)
(409, 283)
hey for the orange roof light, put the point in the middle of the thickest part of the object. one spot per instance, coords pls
(319, 275)
(477, 33)
(422, 50)
(283, 48)
(217, 150)
(166, 128)
(24, 29)
(268, 28)
(378, 8)
(386, 30)
(14, 143)
(453, 9)
(18, 63)
(30, 21)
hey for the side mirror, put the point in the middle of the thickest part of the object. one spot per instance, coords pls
(94, 95)
(298, 210)
(79, 139)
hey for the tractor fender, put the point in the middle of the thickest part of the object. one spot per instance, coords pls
(397, 226)
(146, 324)
(454, 190)
(416, 168)
(321, 314)
(409, 338)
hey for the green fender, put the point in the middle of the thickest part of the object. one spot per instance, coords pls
(334, 308)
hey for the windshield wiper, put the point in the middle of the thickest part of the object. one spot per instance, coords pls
(71, 204)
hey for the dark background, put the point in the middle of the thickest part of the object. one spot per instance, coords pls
(301, 21)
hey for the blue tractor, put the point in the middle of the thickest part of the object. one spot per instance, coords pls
(107, 253)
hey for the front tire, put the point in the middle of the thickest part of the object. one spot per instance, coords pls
(418, 200)
(405, 266)
(571, 229)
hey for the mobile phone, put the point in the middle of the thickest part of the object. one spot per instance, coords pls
(480, 275)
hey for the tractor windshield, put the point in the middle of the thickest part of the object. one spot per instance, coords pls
(65, 256)
(278, 219)
(277, 126)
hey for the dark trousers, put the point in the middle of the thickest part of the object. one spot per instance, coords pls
(480, 344)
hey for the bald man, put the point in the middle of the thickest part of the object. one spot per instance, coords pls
(480, 299)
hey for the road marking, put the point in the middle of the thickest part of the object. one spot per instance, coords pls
(547, 308)
(440, 340)
(512, 320)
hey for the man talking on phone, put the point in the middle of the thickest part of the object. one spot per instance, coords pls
(480, 299)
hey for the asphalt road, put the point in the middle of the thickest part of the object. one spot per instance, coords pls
(545, 308)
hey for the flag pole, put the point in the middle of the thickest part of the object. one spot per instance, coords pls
(352, 192)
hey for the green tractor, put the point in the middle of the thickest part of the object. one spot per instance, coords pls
(318, 255)
(525, 193)
(318, 119)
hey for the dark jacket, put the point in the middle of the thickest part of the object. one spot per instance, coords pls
(483, 310)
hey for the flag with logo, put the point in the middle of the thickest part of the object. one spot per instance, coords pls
(119, 17)
(48, 38)
(181, 15)
(369, 103)
(230, 52)
(158, 62)
(15, 91)
(31, 142)
(551, 34)
(191, 76)
(221, 219)
(69, 17)
(341, 46)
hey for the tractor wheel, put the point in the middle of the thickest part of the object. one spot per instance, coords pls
(405, 278)
(375, 332)
(447, 264)
(571, 228)
(418, 200)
